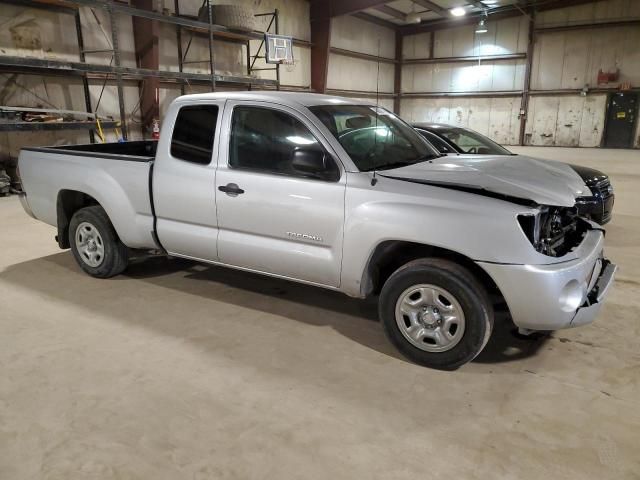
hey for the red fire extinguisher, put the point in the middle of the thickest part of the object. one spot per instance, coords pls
(155, 132)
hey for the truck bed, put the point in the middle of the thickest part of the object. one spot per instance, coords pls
(117, 176)
(135, 151)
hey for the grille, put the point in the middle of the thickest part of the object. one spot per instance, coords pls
(602, 188)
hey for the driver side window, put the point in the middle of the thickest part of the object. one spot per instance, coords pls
(264, 139)
(436, 141)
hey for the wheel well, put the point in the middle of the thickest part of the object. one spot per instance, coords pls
(391, 255)
(68, 203)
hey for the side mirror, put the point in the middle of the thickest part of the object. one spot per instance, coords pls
(314, 163)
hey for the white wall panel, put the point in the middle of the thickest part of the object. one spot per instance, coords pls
(346, 73)
(592, 124)
(351, 33)
(605, 10)
(464, 77)
(566, 121)
(416, 46)
(383, 102)
(494, 117)
(572, 59)
(503, 37)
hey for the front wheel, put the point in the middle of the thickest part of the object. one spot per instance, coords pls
(436, 313)
(95, 243)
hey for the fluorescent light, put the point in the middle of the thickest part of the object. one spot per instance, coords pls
(457, 12)
(413, 17)
(300, 140)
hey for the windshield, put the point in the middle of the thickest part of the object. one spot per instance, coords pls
(374, 138)
(468, 141)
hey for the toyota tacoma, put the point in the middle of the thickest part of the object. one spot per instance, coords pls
(343, 195)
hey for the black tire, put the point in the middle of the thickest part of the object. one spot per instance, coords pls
(235, 17)
(468, 292)
(116, 254)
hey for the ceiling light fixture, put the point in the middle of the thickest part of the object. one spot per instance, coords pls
(482, 27)
(482, 24)
(457, 12)
(413, 17)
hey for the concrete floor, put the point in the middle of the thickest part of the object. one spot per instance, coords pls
(182, 371)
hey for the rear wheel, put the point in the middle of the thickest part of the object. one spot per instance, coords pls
(436, 313)
(95, 244)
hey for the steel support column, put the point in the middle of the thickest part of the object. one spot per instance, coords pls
(212, 62)
(145, 37)
(176, 7)
(116, 62)
(397, 74)
(524, 103)
(321, 44)
(85, 80)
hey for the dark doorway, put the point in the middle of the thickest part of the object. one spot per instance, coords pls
(621, 120)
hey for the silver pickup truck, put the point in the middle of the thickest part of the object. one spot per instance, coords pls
(343, 195)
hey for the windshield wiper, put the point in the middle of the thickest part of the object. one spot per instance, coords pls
(406, 163)
(388, 166)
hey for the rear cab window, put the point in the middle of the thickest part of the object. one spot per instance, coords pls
(194, 132)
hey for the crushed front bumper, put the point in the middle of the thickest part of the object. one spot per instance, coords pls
(560, 295)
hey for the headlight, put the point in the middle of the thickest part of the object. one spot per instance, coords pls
(554, 231)
(529, 225)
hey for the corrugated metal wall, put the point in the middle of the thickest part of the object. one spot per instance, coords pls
(496, 116)
(562, 61)
(362, 75)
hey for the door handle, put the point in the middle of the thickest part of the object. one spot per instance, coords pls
(231, 189)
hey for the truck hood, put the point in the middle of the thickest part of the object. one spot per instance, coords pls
(515, 176)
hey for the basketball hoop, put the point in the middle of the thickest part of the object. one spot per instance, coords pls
(279, 49)
(289, 65)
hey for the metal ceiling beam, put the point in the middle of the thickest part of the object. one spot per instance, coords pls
(498, 13)
(562, 4)
(378, 21)
(477, 4)
(444, 23)
(392, 12)
(335, 8)
(434, 7)
(587, 26)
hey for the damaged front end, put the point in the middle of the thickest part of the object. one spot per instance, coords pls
(555, 231)
(570, 290)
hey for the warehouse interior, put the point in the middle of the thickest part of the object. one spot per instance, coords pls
(179, 369)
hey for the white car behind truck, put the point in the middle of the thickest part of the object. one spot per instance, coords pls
(346, 196)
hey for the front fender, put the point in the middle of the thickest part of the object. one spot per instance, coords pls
(479, 228)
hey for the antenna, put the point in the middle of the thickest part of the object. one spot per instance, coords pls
(374, 180)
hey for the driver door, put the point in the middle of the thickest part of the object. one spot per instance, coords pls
(271, 218)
